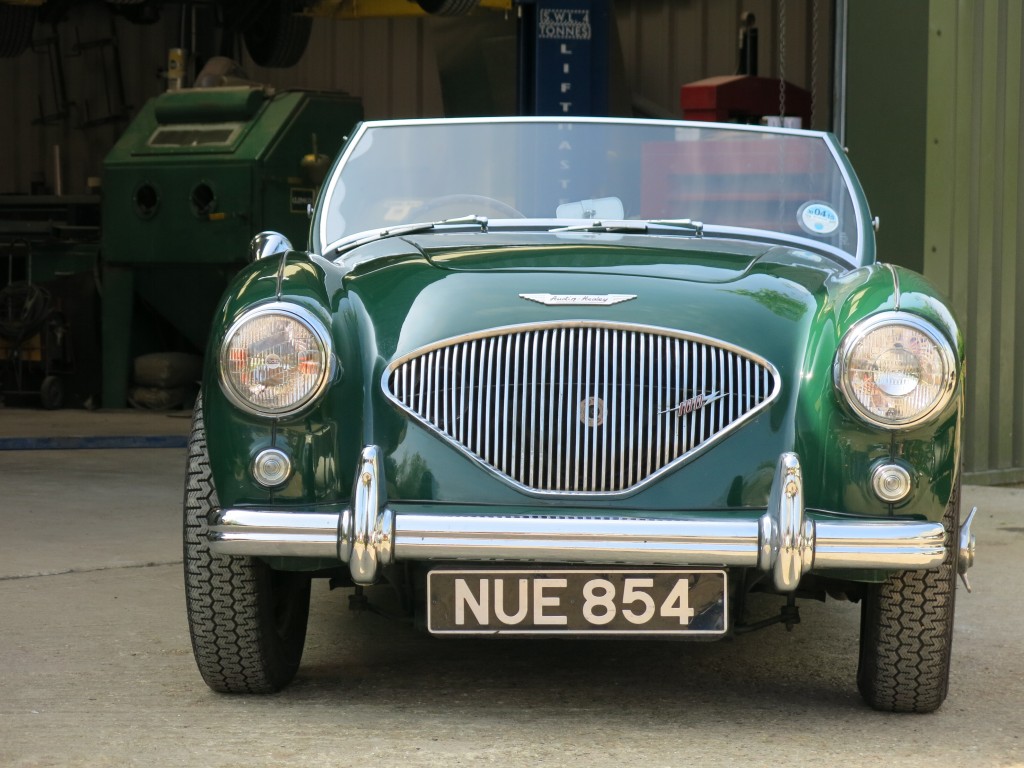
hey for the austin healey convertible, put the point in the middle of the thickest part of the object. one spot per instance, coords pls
(580, 377)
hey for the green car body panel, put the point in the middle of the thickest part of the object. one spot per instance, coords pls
(510, 368)
(392, 297)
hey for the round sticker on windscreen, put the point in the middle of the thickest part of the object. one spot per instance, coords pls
(818, 218)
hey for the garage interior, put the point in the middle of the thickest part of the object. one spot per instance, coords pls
(117, 239)
(83, 206)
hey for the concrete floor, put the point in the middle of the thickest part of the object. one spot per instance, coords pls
(96, 666)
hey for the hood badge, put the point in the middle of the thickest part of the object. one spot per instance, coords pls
(694, 404)
(577, 299)
(591, 411)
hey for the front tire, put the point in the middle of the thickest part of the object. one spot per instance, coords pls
(906, 633)
(247, 621)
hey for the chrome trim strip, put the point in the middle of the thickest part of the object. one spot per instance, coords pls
(782, 541)
(261, 532)
(895, 287)
(748, 234)
(577, 540)
(878, 544)
(578, 470)
(582, 324)
(751, 543)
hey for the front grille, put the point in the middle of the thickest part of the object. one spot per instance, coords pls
(581, 407)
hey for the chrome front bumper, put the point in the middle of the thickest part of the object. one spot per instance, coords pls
(782, 541)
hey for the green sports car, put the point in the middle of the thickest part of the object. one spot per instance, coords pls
(580, 377)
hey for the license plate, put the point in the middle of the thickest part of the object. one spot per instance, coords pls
(576, 602)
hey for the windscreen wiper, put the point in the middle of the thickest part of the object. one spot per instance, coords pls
(413, 229)
(694, 228)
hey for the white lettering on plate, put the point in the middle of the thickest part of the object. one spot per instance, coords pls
(540, 602)
(535, 601)
(464, 598)
(478, 602)
(499, 602)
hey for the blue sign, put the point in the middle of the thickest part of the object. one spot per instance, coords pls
(571, 57)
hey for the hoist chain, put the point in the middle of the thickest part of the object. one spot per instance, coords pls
(782, 58)
(814, 56)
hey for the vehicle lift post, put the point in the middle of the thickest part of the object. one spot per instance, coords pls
(563, 57)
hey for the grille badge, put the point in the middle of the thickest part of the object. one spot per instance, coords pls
(592, 411)
(693, 404)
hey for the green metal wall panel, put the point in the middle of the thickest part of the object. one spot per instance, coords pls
(974, 231)
(886, 74)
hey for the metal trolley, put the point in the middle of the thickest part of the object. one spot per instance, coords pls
(35, 349)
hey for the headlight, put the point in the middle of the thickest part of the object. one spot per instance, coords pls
(896, 370)
(274, 360)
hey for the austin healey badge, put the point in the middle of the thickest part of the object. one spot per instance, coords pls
(577, 299)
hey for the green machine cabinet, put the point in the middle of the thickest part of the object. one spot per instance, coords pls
(192, 179)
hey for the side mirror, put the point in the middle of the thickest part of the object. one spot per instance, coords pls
(267, 244)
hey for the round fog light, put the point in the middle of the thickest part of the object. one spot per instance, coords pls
(891, 483)
(271, 468)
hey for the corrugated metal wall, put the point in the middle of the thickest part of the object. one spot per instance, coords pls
(666, 43)
(391, 65)
(388, 63)
(30, 92)
(974, 228)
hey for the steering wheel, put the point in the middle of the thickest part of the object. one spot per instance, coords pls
(466, 205)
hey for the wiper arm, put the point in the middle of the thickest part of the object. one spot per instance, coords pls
(694, 227)
(413, 229)
(697, 227)
(604, 226)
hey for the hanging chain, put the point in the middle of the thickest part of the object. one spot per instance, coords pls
(814, 56)
(782, 58)
(781, 143)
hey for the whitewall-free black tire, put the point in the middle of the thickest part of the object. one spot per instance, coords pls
(247, 621)
(906, 633)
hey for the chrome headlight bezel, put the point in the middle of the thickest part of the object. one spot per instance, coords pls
(858, 334)
(311, 323)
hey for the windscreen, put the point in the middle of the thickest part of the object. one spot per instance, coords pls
(398, 173)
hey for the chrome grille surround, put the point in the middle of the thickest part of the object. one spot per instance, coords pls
(581, 407)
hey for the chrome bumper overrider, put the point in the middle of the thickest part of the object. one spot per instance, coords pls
(782, 541)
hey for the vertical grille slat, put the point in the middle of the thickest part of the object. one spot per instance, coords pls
(580, 408)
(606, 433)
(630, 421)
